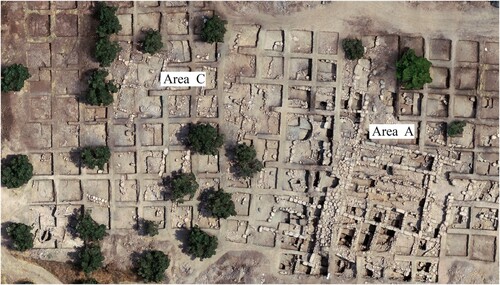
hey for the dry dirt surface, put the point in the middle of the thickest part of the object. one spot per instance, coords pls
(16, 270)
(463, 272)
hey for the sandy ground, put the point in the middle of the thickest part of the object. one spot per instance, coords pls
(14, 270)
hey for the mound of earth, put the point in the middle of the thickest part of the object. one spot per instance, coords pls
(467, 273)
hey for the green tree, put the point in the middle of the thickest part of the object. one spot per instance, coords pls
(246, 162)
(204, 139)
(100, 91)
(152, 266)
(219, 203)
(214, 30)
(88, 229)
(456, 128)
(413, 70)
(90, 258)
(108, 22)
(200, 244)
(106, 51)
(152, 42)
(150, 227)
(93, 156)
(183, 184)
(13, 77)
(16, 170)
(353, 48)
(22, 238)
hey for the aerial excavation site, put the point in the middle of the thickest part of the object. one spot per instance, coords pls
(249, 142)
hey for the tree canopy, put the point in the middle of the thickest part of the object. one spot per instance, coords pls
(13, 77)
(456, 128)
(152, 266)
(22, 238)
(353, 48)
(108, 21)
(17, 170)
(214, 30)
(219, 203)
(204, 139)
(183, 184)
(100, 91)
(152, 42)
(88, 229)
(413, 71)
(200, 244)
(95, 156)
(150, 227)
(246, 162)
(106, 51)
(90, 258)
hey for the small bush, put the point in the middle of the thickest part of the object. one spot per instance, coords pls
(152, 266)
(246, 162)
(88, 229)
(353, 48)
(183, 184)
(22, 238)
(13, 77)
(214, 30)
(93, 156)
(204, 139)
(456, 128)
(413, 71)
(100, 91)
(90, 258)
(150, 228)
(108, 22)
(201, 244)
(106, 51)
(152, 43)
(219, 203)
(17, 170)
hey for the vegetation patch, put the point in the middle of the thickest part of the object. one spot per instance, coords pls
(152, 42)
(456, 128)
(246, 161)
(95, 156)
(214, 30)
(17, 170)
(413, 71)
(13, 77)
(152, 266)
(200, 244)
(22, 238)
(204, 139)
(353, 49)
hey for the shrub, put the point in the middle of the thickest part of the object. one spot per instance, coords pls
(353, 48)
(152, 43)
(204, 139)
(93, 156)
(219, 203)
(16, 170)
(100, 91)
(106, 51)
(214, 30)
(413, 70)
(246, 162)
(152, 266)
(201, 244)
(88, 229)
(456, 128)
(90, 258)
(150, 228)
(13, 77)
(108, 22)
(183, 184)
(22, 238)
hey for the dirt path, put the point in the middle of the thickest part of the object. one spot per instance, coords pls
(14, 269)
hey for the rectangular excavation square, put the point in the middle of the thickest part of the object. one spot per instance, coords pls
(236, 231)
(325, 98)
(488, 135)
(415, 43)
(42, 163)
(327, 70)
(437, 105)
(155, 214)
(148, 3)
(65, 134)
(96, 188)
(267, 178)
(207, 106)
(64, 5)
(151, 135)
(490, 78)
(152, 190)
(466, 139)
(93, 135)
(67, 82)
(203, 52)
(182, 216)
(149, 21)
(486, 163)
(490, 53)
(466, 78)
(42, 191)
(409, 103)
(178, 51)
(205, 221)
(208, 163)
(124, 162)
(69, 191)
(247, 35)
(153, 162)
(177, 23)
(271, 67)
(100, 215)
(301, 41)
(67, 163)
(127, 190)
(66, 25)
(327, 42)
(198, 20)
(126, 23)
(125, 103)
(92, 114)
(66, 108)
(124, 218)
(122, 135)
(489, 108)
(440, 77)
(40, 108)
(149, 107)
(64, 54)
(436, 134)
(178, 133)
(456, 245)
(38, 25)
(179, 106)
(273, 40)
(299, 97)
(440, 49)
(264, 238)
(485, 219)
(300, 69)
(483, 248)
(467, 51)
(179, 160)
(464, 106)
(241, 203)
(39, 55)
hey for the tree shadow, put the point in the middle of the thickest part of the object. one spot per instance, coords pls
(75, 157)
(203, 205)
(182, 134)
(182, 235)
(73, 221)
(230, 149)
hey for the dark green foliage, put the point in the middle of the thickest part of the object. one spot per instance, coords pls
(99, 93)
(22, 238)
(204, 139)
(106, 51)
(108, 22)
(150, 228)
(201, 244)
(93, 156)
(90, 258)
(88, 229)
(183, 184)
(13, 77)
(353, 48)
(413, 70)
(86, 281)
(152, 266)
(219, 203)
(246, 162)
(152, 43)
(214, 29)
(456, 128)
(16, 171)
